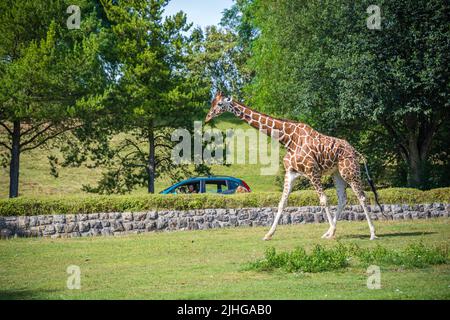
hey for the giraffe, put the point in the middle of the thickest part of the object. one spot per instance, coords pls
(309, 154)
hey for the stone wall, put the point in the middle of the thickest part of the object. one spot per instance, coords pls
(117, 223)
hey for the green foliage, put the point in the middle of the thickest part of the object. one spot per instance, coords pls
(321, 259)
(120, 203)
(53, 79)
(386, 90)
(49, 73)
(415, 255)
(159, 87)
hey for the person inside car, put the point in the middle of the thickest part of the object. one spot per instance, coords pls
(191, 189)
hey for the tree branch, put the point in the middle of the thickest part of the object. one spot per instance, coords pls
(32, 128)
(35, 136)
(426, 133)
(5, 145)
(164, 136)
(161, 160)
(6, 127)
(50, 137)
(399, 140)
(135, 146)
(162, 145)
(134, 165)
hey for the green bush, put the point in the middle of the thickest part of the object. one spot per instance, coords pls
(319, 260)
(416, 255)
(91, 204)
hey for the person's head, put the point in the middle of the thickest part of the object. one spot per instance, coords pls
(218, 106)
(241, 189)
(191, 188)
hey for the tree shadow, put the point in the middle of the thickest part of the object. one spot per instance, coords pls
(387, 235)
(24, 294)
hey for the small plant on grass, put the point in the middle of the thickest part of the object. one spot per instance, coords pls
(415, 255)
(319, 260)
(271, 261)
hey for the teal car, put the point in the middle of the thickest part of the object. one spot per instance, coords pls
(209, 184)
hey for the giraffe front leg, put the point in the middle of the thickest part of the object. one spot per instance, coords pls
(340, 185)
(332, 229)
(288, 180)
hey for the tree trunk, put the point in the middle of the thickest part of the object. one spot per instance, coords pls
(15, 161)
(416, 176)
(414, 146)
(417, 158)
(151, 160)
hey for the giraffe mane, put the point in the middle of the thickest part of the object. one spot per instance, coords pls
(264, 114)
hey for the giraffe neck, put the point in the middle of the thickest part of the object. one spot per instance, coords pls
(264, 123)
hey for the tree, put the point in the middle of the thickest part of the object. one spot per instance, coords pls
(157, 91)
(52, 77)
(318, 61)
(217, 55)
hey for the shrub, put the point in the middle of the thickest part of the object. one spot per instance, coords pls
(97, 203)
(415, 255)
(319, 260)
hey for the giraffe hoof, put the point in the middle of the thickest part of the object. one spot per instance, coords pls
(267, 238)
(329, 234)
(373, 237)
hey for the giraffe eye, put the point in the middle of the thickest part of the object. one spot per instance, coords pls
(220, 104)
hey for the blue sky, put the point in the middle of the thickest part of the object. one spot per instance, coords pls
(200, 12)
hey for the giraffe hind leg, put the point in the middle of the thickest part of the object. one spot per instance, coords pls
(350, 171)
(357, 189)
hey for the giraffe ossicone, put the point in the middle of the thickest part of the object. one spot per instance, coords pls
(309, 154)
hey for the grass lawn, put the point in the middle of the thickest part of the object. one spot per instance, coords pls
(209, 265)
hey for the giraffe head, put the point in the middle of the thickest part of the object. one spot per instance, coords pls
(218, 106)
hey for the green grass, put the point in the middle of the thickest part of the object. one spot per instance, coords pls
(35, 178)
(209, 265)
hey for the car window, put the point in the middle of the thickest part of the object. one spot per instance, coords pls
(215, 186)
(188, 188)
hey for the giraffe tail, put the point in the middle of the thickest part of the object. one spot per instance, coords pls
(372, 185)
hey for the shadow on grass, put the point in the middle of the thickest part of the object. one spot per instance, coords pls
(387, 235)
(24, 294)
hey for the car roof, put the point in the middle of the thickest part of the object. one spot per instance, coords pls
(209, 178)
(215, 177)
